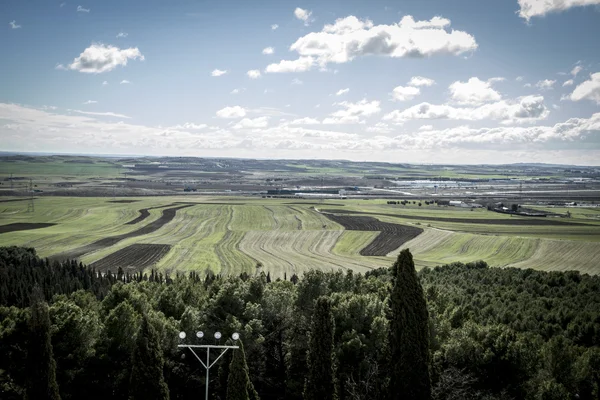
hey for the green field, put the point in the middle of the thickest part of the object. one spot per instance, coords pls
(232, 235)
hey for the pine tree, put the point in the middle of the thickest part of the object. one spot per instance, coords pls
(41, 367)
(409, 333)
(147, 380)
(319, 382)
(239, 386)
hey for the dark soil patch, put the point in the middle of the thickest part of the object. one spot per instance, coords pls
(8, 201)
(134, 258)
(166, 217)
(391, 237)
(317, 204)
(22, 226)
(511, 221)
(144, 212)
(123, 201)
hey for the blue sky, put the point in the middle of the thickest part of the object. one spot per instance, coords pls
(410, 81)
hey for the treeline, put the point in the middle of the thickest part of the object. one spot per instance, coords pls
(488, 333)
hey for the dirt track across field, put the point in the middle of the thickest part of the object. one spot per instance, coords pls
(22, 226)
(122, 201)
(166, 217)
(508, 221)
(391, 237)
(134, 258)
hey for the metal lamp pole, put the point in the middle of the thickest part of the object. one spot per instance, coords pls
(208, 364)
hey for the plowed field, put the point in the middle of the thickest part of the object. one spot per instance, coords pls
(132, 258)
(391, 237)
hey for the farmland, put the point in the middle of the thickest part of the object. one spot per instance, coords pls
(241, 234)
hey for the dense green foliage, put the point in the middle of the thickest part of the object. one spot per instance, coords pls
(409, 333)
(41, 368)
(147, 381)
(239, 385)
(320, 378)
(494, 333)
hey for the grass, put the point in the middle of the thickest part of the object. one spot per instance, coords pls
(233, 235)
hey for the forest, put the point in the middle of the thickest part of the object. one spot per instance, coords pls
(458, 331)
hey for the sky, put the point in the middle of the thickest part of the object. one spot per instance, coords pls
(414, 81)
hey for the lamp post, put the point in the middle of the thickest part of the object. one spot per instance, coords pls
(208, 364)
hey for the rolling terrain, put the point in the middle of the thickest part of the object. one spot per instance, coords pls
(233, 235)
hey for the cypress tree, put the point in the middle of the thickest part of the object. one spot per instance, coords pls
(147, 380)
(41, 367)
(409, 333)
(319, 382)
(239, 386)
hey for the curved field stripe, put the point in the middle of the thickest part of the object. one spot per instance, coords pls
(296, 251)
(167, 216)
(562, 255)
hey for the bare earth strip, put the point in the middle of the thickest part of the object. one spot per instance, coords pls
(22, 226)
(488, 221)
(134, 258)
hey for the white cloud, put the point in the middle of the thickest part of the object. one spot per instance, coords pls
(81, 9)
(189, 126)
(496, 79)
(568, 83)
(303, 15)
(32, 129)
(125, 82)
(380, 127)
(539, 8)
(302, 64)
(342, 91)
(527, 85)
(519, 78)
(62, 4)
(253, 74)
(546, 84)
(13, 24)
(527, 109)
(99, 58)
(274, 27)
(268, 50)
(238, 91)
(420, 81)
(90, 102)
(556, 107)
(305, 121)
(352, 112)
(426, 128)
(100, 114)
(232, 112)
(577, 69)
(473, 92)
(405, 93)
(104, 83)
(218, 72)
(297, 81)
(349, 38)
(122, 35)
(589, 89)
(252, 123)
